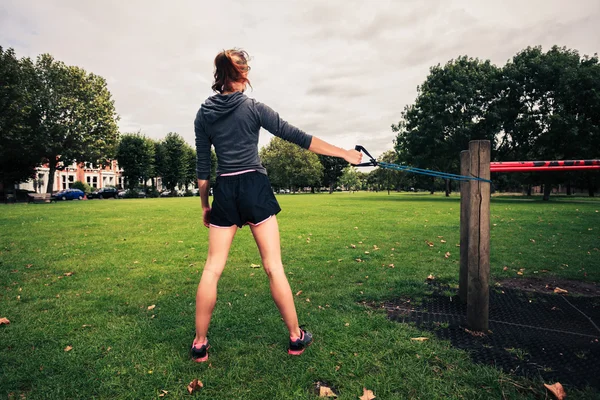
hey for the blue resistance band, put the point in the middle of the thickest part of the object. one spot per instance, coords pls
(405, 168)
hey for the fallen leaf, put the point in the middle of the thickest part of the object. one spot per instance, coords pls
(151, 307)
(557, 390)
(430, 244)
(308, 300)
(353, 246)
(358, 260)
(532, 240)
(324, 391)
(519, 272)
(299, 293)
(194, 385)
(68, 273)
(68, 348)
(560, 291)
(366, 252)
(347, 324)
(431, 277)
(367, 395)
(163, 393)
(505, 269)
(391, 265)
(356, 227)
(419, 339)
(447, 254)
(4, 321)
(442, 241)
(254, 265)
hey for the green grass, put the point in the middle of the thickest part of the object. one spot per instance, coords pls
(126, 255)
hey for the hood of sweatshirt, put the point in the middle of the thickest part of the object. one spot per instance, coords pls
(220, 105)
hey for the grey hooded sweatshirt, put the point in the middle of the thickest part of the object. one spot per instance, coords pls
(231, 123)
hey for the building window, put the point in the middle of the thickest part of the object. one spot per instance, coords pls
(95, 182)
(64, 181)
(88, 179)
(71, 180)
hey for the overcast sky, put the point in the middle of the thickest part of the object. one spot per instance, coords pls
(341, 70)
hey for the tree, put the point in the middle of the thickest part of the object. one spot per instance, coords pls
(549, 107)
(452, 108)
(332, 170)
(350, 179)
(135, 154)
(20, 152)
(189, 173)
(77, 121)
(290, 166)
(386, 179)
(172, 160)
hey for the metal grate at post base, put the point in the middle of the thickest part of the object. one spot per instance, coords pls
(536, 335)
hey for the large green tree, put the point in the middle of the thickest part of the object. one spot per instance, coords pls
(20, 151)
(549, 108)
(173, 161)
(78, 121)
(135, 154)
(332, 170)
(290, 166)
(452, 108)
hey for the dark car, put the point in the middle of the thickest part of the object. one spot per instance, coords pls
(104, 193)
(69, 194)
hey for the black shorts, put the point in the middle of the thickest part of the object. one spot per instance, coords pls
(242, 199)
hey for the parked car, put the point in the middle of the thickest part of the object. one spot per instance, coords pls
(166, 193)
(69, 194)
(104, 193)
(131, 194)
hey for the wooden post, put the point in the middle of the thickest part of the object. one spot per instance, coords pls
(463, 276)
(479, 237)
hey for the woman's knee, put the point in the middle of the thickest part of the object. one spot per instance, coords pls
(273, 268)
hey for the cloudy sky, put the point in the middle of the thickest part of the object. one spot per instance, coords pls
(339, 69)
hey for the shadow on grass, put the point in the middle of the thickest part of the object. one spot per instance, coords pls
(536, 335)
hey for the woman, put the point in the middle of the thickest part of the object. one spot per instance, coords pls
(230, 122)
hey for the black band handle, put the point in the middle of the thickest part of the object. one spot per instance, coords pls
(371, 163)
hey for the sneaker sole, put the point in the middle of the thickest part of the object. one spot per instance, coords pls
(298, 352)
(201, 359)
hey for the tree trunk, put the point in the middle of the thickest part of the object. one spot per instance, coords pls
(529, 190)
(590, 186)
(447, 187)
(568, 188)
(331, 188)
(51, 173)
(547, 190)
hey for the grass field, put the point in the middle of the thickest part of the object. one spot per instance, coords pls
(115, 280)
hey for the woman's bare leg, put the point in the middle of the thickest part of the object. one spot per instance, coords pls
(219, 242)
(266, 236)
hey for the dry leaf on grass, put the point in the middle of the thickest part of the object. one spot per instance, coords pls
(4, 321)
(353, 246)
(367, 394)
(151, 307)
(560, 291)
(68, 273)
(68, 348)
(254, 265)
(431, 277)
(194, 385)
(324, 391)
(557, 390)
(430, 244)
(442, 241)
(447, 254)
(419, 339)
(163, 393)
(299, 293)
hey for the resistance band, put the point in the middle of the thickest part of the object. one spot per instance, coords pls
(404, 168)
